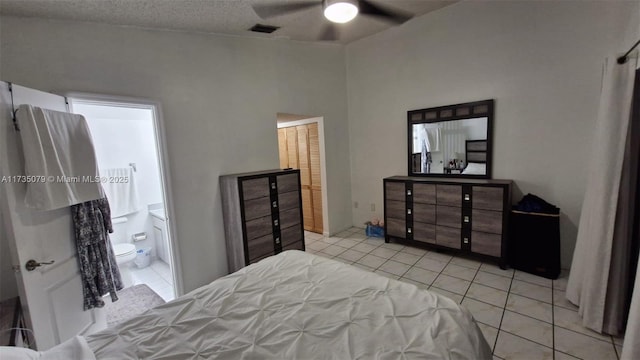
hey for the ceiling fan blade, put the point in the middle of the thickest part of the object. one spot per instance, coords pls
(329, 33)
(368, 8)
(266, 11)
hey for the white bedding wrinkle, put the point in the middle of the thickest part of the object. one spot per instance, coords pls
(299, 306)
(475, 169)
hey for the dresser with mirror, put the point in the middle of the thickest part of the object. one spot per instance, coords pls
(448, 201)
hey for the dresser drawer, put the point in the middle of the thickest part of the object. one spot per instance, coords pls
(449, 216)
(396, 209)
(294, 246)
(253, 261)
(425, 213)
(450, 195)
(290, 235)
(289, 200)
(288, 183)
(447, 236)
(486, 221)
(487, 244)
(395, 191)
(424, 232)
(396, 227)
(256, 208)
(488, 198)
(289, 218)
(477, 146)
(259, 227)
(255, 188)
(424, 193)
(260, 246)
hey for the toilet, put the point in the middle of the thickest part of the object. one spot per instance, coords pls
(125, 252)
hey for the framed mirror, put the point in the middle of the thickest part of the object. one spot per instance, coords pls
(451, 141)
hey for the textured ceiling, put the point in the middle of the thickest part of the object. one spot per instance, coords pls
(210, 16)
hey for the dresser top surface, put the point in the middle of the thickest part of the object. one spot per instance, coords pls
(451, 180)
(261, 173)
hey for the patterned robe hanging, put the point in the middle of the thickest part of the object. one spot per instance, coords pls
(98, 267)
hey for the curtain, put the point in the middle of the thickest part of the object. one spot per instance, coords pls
(631, 347)
(600, 267)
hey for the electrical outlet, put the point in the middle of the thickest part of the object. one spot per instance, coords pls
(355, 204)
(373, 207)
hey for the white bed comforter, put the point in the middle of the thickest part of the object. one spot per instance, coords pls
(299, 306)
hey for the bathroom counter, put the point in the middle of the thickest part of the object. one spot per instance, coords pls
(158, 214)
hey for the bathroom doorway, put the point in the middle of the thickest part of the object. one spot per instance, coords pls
(127, 139)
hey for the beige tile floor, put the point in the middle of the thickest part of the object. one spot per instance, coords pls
(522, 316)
(157, 276)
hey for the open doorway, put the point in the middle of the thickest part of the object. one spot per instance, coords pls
(301, 146)
(125, 137)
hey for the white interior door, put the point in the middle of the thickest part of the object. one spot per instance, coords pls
(51, 295)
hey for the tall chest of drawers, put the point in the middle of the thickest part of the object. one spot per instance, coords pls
(262, 214)
(469, 216)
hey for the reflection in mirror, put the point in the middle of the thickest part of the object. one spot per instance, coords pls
(447, 147)
(451, 141)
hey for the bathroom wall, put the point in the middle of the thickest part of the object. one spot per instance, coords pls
(121, 136)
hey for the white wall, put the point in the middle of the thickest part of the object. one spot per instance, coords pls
(220, 96)
(124, 135)
(541, 61)
(311, 82)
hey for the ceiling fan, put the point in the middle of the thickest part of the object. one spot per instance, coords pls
(336, 11)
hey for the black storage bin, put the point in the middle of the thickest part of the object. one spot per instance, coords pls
(534, 238)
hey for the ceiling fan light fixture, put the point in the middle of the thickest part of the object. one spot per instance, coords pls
(340, 11)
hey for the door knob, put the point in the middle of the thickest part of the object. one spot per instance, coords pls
(32, 264)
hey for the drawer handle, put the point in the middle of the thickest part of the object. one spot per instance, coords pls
(466, 240)
(409, 211)
(273, 185)
(275, 222)
(278, 240)
(467, 197)
(466, 219)
(274, 204)
(409, 230)
(408, 192)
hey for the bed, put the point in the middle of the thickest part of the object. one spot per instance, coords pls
(476, 153)
(297, 305)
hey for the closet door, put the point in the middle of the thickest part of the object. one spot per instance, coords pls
(299, 148)
(316, 184)
(282, 148)
(51, 295)
(292, 147)
(304, 164)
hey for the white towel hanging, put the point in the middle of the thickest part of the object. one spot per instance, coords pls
(59, 158)
(121, 190)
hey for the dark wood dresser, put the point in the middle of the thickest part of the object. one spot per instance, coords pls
(466, 215)
(262, 215)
